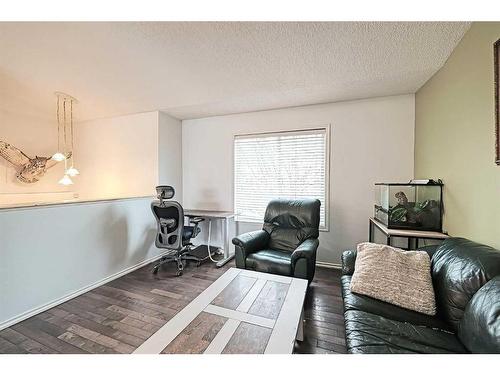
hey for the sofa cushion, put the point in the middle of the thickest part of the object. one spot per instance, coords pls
(479, 329)
(370, 333)
(349, 258)
(396, 276)
(271, 261)
(460, 268)
(353, 301)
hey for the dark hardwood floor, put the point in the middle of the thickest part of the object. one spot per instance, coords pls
(120, 315)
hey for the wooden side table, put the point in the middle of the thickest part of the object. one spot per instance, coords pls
(403, 233)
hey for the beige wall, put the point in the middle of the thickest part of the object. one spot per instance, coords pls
(118, 157)
(371, 141)
(454, 136)
(33, 129)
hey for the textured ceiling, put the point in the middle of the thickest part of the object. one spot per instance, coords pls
(198, 69)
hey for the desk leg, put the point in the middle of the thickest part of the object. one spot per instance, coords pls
(227, 256)
(370, 231)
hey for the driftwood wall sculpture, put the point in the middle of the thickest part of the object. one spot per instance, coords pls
(29, 170)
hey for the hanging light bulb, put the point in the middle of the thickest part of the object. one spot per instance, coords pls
(58, 156)
(65, 150)
(66, 180)
(72, 171)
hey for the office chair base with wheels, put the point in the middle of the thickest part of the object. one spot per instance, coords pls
(164, 260)
(172, 234)
(180, 259)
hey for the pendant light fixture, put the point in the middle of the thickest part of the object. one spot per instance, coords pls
(58, 156)
(65, 125)
(66, 180)
(72, 171)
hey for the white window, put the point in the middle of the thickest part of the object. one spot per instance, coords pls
(279, 165)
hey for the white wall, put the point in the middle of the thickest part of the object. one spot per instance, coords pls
(48, 253)
(371, 141)
(117, 157)
(170, 153)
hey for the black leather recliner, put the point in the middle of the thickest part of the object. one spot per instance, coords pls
(466, 280)
(286, 244)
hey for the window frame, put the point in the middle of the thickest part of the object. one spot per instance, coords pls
(327, 129)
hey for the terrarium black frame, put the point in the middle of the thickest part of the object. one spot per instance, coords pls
(496, 58)
(408, 213)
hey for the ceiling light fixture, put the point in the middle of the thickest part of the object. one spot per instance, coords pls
(65, 125)
(72, 171)
(58, 156)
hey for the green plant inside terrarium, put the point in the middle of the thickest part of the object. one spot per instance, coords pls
(421, 214)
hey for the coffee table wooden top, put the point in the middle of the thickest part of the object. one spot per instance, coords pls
(241, 312)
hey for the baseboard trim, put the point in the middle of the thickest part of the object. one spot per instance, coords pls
(329, 265)
(67, 297)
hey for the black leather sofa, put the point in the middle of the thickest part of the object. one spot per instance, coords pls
(286, 244)
(466, 279)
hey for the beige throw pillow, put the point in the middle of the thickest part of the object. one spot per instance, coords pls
(396, 276)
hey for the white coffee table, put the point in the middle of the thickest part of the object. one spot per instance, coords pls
(241, 312)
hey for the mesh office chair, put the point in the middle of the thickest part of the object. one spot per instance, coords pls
(171, 232)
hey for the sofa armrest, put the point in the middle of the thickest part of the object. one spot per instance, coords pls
(304, 259)
(348, 261)
(306, 249)
(430, 249)
(248, 243)
(252, 241)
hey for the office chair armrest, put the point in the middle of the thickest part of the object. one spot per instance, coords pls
(348, 262)
(306, 249)
(196, 220)
(252, 241)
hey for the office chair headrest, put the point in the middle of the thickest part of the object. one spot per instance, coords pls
(165, 192)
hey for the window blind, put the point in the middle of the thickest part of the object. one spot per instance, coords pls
(279, 165)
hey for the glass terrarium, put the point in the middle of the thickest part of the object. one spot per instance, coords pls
(417, 206)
